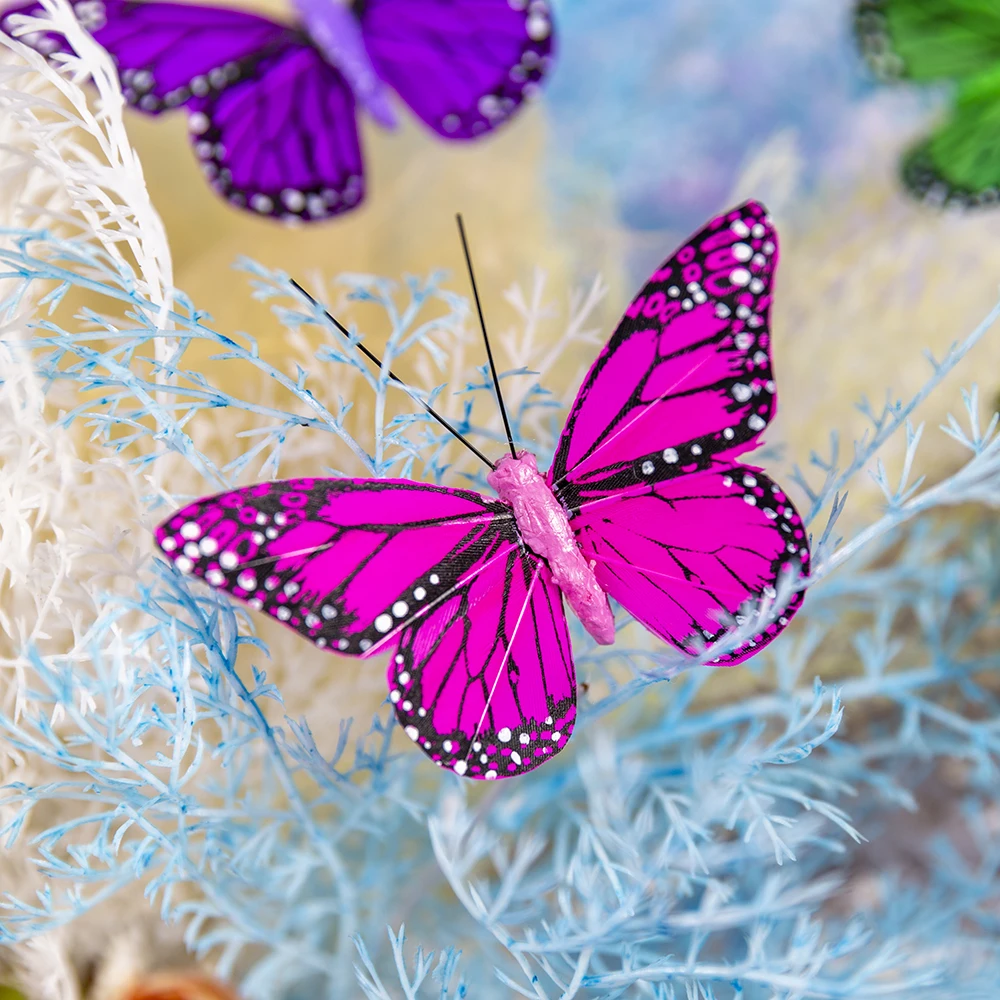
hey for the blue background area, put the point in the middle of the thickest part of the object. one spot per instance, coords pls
(664, 100)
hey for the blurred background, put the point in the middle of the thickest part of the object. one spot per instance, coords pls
(658, 114)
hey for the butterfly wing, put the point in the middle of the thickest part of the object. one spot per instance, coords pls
(167, 53)
(283, 141)
(345, 562)
(680, 553)
(463, 66)
(364, 566)
(485, 683)
(681, 535)
(928, 39)
(686, 377)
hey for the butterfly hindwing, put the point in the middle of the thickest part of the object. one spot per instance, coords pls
(273, 123)
(681, 553)
(686, 376)
(462, 66)
(346, 563)
(284, 140)
(168, 53)
(485, 684)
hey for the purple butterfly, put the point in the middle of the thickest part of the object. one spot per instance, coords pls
(645, 502)
(272, 107)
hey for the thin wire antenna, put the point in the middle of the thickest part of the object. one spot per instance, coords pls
(482, 326)
(376, 361)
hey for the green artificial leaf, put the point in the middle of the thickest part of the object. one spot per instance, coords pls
(961, 159)
(944, 40)
(938, 39)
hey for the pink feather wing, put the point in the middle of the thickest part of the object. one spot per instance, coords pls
(686, 374)
(482, 664)
(680, 553)
(485, 683)
(682, 536)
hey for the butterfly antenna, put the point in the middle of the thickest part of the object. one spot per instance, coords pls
(376, 361)
(482, 326)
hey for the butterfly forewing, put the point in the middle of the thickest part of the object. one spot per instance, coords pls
(687, 374)
(485, 683)
(346, 563)
(463, 66)
(168, 53)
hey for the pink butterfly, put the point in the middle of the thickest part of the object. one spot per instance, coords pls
(644, 502)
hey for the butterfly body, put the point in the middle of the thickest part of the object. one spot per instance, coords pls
(645, 502)
(545, 528)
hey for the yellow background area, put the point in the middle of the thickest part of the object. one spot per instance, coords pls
(868, 279)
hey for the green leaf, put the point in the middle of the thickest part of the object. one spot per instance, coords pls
(963, 155)
(929, 39)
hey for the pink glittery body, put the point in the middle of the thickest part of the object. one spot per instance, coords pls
(545, 528)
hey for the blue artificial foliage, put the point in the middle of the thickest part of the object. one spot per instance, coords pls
(657, 106)
(684, 845)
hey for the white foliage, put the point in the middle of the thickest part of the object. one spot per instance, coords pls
(49, 124)
(65, 163)
(57, 511)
